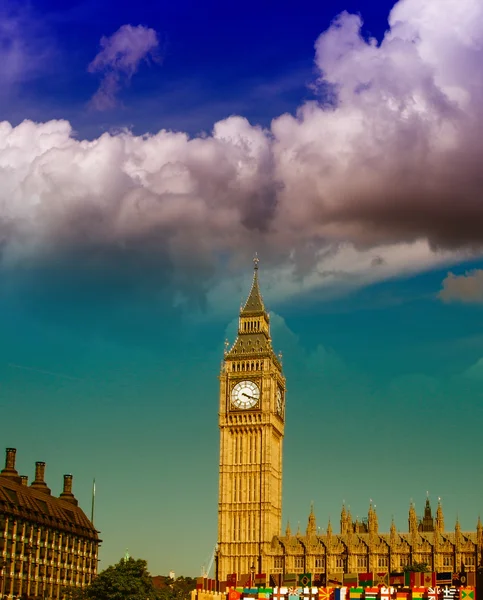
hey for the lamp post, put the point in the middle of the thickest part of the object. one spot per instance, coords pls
(252, 575)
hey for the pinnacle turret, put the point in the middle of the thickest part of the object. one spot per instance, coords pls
(254, 303)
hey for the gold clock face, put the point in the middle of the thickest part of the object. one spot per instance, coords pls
(245, 395)
(279, 402)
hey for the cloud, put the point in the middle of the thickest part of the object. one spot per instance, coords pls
(388, 176)
(463, 288)
(119, 60)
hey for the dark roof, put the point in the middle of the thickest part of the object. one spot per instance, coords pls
(254, 303)
(35, 506)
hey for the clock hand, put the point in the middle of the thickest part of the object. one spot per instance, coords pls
(251, 397)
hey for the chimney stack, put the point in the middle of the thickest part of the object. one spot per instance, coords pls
(25, 480)
(9, 470)
(39, 483)
(67, 494)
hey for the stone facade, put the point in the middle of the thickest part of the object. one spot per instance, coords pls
(47, 544)
(359, 547)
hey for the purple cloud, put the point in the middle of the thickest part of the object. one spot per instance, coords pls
(119, 59)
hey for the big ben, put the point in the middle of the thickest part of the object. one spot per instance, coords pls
(251, 422)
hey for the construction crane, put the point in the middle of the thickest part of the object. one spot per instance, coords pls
(206, 571)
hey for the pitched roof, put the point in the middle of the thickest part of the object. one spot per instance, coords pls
(254, 303)
(35, 506)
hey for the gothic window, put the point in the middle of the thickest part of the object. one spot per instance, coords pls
(403, 561)
(320, 562)
(339, 563)
(362, 562)
(447, 561)
(299, 563)
(382, 561)
(278, 564)
(468, 560)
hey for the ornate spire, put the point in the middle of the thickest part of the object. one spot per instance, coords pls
(439, 517)
(393, 531)
(428, 523)
(288, 531)
(329, 529)
(254, 303)
(479, 533)
(457, 532)
(311, 525)
(343, 521)
(412, 520)
(372, 519)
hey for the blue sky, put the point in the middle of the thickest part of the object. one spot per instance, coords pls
(147, 150)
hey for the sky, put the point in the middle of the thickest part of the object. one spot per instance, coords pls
(147, 151)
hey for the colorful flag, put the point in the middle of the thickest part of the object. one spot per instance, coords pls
(231, 580)
(381, 579)
(396, 579)
(409, 578)
(279, 593)
(244, 580)
(325, 593)
(470, 579)
(467, 593)
(319, 580)
(261, 579)
(334, 579)
(403, 593)
(432, 593)
(356, 592)
(366, 579)
(340, 593)
(290, 579)
(450, 593)
(428, 579)
(370, 592)
(350, 579)
(233, 595)
(276, 580)
(444, 578)
(305, 580)
(418, 592)
(293, 593)
(385, 592)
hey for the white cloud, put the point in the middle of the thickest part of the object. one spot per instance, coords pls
(463, 288)
(385, 182)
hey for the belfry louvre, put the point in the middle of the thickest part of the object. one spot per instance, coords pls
(47, 544)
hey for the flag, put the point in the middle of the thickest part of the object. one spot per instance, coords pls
(381, 579)
(470, 579)
(334, 579)
(251, 591)
(418, 592)
(325, 593)
(279, 593)
(385, 592)
(290, 580)
(233, 595)
(261, 580)
(200, 581)
(276, 580)
(467, 593)
(319, 580)
(370, 592)
(432, 593)
(428, 579)
(340, 593)
(244, 580)
(396, 579)
(444, 578)
(350, 579)
(403, 593)
(409, 578)
(293, 593)
(305, 580)
(356, 592)
(231, 580)
(366, 579)
(450, 593)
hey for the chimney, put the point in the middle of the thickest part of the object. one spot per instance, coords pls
(67, 494)
(25, 480)
(39, 483)
(9, 470)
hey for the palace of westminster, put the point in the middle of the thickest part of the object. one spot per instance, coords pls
(251, 422)
(48, 544)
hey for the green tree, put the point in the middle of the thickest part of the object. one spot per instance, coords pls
(416, 567)
(127, 580)
(177, 589)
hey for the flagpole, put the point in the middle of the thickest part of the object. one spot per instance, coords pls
(93, 499)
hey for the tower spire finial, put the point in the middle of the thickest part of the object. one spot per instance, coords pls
(256, 260)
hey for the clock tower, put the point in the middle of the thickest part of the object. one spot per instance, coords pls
(251, 421)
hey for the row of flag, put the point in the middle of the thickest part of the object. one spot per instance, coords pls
(359, 593)
(410, 579)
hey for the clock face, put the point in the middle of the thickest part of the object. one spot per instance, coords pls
(279, 402)
(245, 394)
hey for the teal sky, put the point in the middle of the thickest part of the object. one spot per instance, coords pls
(147, 151)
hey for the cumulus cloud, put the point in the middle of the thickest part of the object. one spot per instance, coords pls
(119, 59)
(463, 288)
(389, 176)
